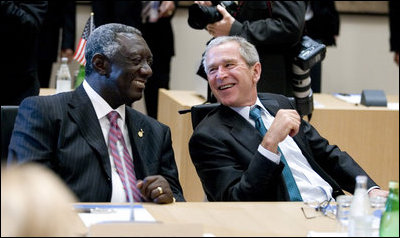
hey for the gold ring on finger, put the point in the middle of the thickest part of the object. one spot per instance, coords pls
(160, 190)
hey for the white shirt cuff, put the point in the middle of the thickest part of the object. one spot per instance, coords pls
(373, 187)
(276, 158)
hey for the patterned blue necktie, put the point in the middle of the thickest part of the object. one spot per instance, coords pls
(294, 193)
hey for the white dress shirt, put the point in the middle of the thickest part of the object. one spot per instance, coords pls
(312, 187)
(102, 108)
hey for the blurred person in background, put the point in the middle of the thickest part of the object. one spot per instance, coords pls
(322, 24)
(35, 202)
(159, 35)
(20, 24)
(61, 15)
(394, 19)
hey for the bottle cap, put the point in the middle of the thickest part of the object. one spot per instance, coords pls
(361, 179)
(393, 184)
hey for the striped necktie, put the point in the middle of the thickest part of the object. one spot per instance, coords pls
(293, 190)
(115, 135)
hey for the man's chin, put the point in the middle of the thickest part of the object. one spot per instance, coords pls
(135, 97)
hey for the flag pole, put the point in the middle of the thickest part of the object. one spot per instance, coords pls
(91, 22)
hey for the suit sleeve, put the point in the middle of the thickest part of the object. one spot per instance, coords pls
(335, 166)
(338, 164)
(223, 176)
(168, 167)
(29, 16)
(33, 135)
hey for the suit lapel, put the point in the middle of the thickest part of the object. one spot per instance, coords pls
(241, 129)
(82, 112)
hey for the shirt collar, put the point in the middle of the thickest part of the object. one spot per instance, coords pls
(101, 107)
(245, 111)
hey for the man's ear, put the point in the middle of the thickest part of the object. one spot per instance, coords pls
(256, 72)
(101, 64)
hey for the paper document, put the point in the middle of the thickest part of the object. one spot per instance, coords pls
(393, 105)
(350, 98)
(109, 213)
(327, 234)
(318, 104)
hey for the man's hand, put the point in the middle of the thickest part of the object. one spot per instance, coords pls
(222, 27)
(166, 9)
(69, 53)
(286, 122)
(204, 3)
(156, 189)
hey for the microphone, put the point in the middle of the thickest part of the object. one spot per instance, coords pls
(127, 182)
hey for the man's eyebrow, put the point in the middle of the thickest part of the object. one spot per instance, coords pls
(223, 61)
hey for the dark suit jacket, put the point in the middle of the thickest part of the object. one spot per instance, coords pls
(224, 145)
(394, 15)
(160, 39)
(274, 31)
(20, 23)
(60, 15)
(63, 132)
(325, 23)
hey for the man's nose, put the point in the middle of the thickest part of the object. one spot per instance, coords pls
(221, 72)
(146, 69)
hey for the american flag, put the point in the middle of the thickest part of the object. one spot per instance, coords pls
(80, 50)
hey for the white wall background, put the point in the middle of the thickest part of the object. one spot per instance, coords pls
(361, 59)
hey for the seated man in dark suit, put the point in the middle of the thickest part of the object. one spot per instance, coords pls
(90, 138)
(237, 162)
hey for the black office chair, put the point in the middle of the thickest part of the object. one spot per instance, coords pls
(198, 112)
(8, 115)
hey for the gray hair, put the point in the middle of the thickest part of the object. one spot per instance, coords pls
(103, 41)
(247, 50)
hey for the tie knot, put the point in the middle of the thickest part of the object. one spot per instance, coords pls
(255, 113)
(113, 117)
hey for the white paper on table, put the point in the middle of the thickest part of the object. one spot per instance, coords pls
(112, 213)
(326, 234)
(393, 105)
(318, 104)
(350, 98)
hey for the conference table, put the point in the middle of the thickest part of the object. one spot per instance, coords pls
(369, 134)
(228, 219)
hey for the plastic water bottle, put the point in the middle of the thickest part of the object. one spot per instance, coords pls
(390, 219)
(360, 222)
(64, 81)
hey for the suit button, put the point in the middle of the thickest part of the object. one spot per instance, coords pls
(109, 179)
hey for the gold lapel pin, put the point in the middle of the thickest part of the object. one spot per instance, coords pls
(140, 133)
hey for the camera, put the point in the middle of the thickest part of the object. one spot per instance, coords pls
(200, 16)
(310, 53)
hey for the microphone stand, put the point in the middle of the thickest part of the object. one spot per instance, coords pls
(127, 182)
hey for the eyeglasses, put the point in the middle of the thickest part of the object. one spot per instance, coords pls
(313, 209)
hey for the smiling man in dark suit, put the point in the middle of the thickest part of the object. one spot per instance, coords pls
(73, 133)
(235, 162)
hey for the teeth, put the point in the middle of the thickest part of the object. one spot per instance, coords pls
(226, 86)
(140, 83)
